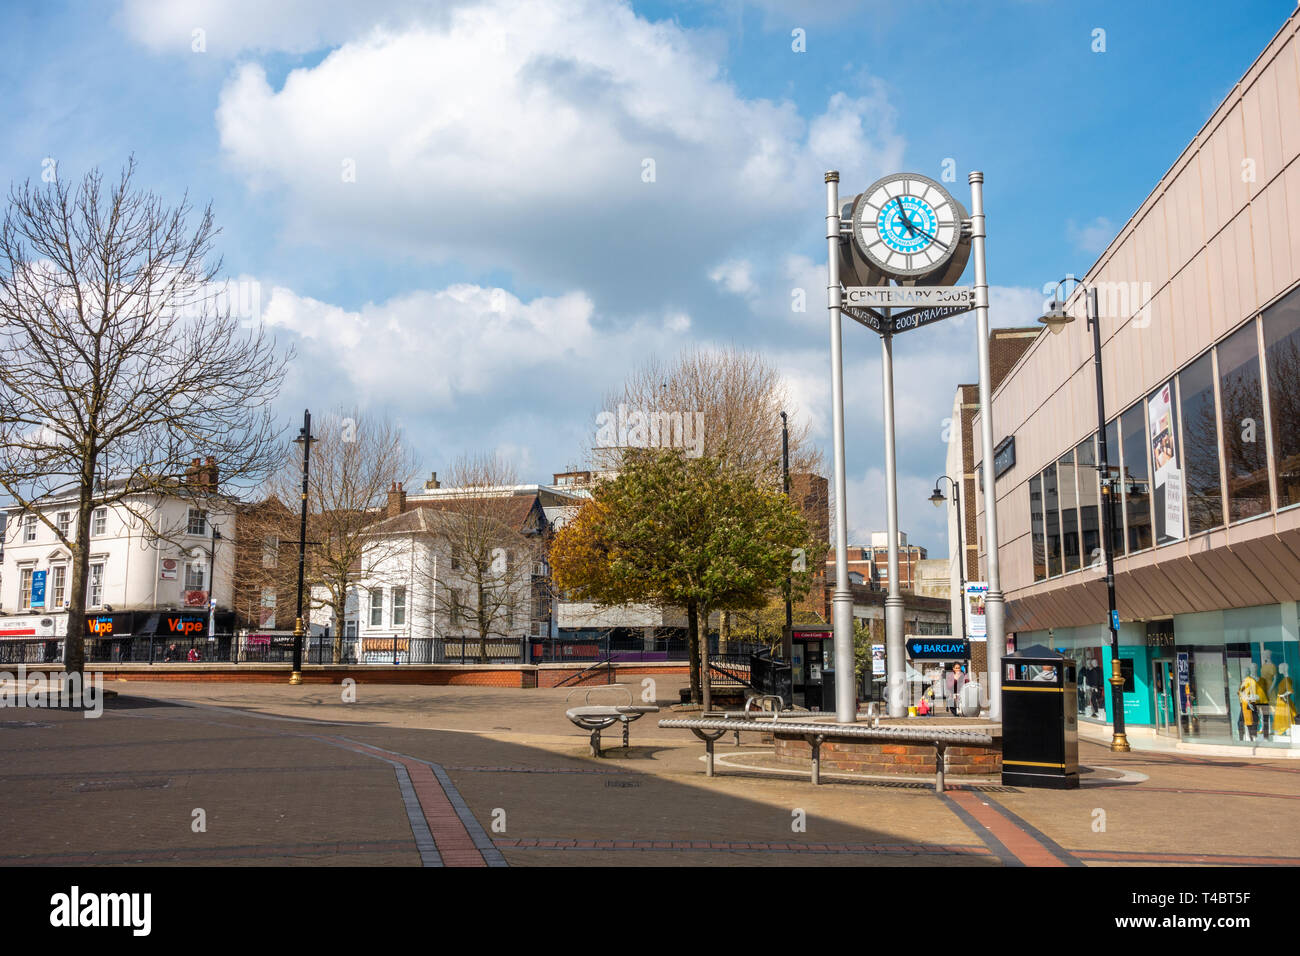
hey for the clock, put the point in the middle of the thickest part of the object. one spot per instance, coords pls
(908, 227)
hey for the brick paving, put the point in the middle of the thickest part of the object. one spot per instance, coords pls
(228, 774)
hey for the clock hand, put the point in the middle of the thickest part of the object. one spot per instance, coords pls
(903, 213)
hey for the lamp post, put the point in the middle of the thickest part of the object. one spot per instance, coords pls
(304, 438)
(937, 499)
(787, 639)
(1056, 319)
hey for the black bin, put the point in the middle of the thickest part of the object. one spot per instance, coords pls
(1040, 729)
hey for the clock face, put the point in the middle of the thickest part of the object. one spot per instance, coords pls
(906, 225)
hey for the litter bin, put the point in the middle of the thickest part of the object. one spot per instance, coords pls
(1040, 730)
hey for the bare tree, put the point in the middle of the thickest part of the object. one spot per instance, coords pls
(495, 540)
(120, 367)
(357, 459)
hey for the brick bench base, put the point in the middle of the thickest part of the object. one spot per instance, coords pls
(849, 756)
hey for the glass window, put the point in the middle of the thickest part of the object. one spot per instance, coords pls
(266, 618)
(29, 527)
(1068, 493)
(25, 588)
(99, 521)
(377, 607)
(198, 522)
(1137, 488)
(60, 575)
(1085, 456)
(1112, 491)
(95, 586)
(271, 551)
(1052, 521)
(1282, 357)
(399, 607)
(1036, 527)
(1166, 476)
(1243, 424)
(64, 523)
(194, 575)
(1200, 445)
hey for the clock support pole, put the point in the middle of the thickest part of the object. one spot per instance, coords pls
(894, 650)
(846, 702)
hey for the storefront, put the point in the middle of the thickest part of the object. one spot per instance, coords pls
(1197, 301)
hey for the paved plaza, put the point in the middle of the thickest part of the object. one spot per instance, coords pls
(258, 774)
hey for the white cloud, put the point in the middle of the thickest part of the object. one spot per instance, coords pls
(514, 135)
(1091, 237)
(734, 276)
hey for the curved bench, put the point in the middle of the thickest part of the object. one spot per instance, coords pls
(710, 729)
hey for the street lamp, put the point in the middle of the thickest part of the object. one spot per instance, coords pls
(1056, 318)
(937, 499)
(304, 438)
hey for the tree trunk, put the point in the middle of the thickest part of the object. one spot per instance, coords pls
(484, 626)
(693, 649)
(340, 611)
(706, 679)
(724, 633)
(74, 641)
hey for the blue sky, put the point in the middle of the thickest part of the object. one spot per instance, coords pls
(497, 263)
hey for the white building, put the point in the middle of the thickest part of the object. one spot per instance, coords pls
(130, 568)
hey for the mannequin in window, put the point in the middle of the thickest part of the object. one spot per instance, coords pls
(1284, 711)
(1251, 695)
(1267, 678)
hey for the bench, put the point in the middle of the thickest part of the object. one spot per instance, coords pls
(710, 729)
(597, 717)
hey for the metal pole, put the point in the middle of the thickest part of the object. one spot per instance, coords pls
(296, 676)
(961, 556)
(1119, 740)
(996, 641)
(895, 652)
(787, 639)
(842, 600)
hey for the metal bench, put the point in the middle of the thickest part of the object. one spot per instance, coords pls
(710, 729)
(597, 717)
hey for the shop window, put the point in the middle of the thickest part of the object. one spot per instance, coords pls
(1282, 358)
(1111, 493)
(1166, 469)
(1200, 446)
(1085, 456)
(1067, 491)
(1137, 487)
(1036, 527)
(1242, 403)
(1052, 521)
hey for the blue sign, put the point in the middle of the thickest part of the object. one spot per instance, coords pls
(38, 588)
(937, 649)
(1114, 621)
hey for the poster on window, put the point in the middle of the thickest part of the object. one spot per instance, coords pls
(1168, 486)
(976, 623)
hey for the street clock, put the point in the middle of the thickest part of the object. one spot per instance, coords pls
(907, 226)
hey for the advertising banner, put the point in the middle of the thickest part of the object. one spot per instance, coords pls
(38, 588)
(877, 660)
(976, 623)
(1168, 484)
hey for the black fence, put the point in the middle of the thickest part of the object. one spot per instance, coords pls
(277, 649)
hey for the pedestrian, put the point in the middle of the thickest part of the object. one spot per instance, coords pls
(171, 653)
(194, 655)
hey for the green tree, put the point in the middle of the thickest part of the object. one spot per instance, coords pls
(676, 531)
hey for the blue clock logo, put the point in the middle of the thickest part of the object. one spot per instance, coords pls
(907, 224)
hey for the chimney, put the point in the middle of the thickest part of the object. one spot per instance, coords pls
(396, 500)
(432, 483)
(209, 474)
(192, 472)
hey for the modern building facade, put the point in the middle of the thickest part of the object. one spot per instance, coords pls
(1199, 296)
